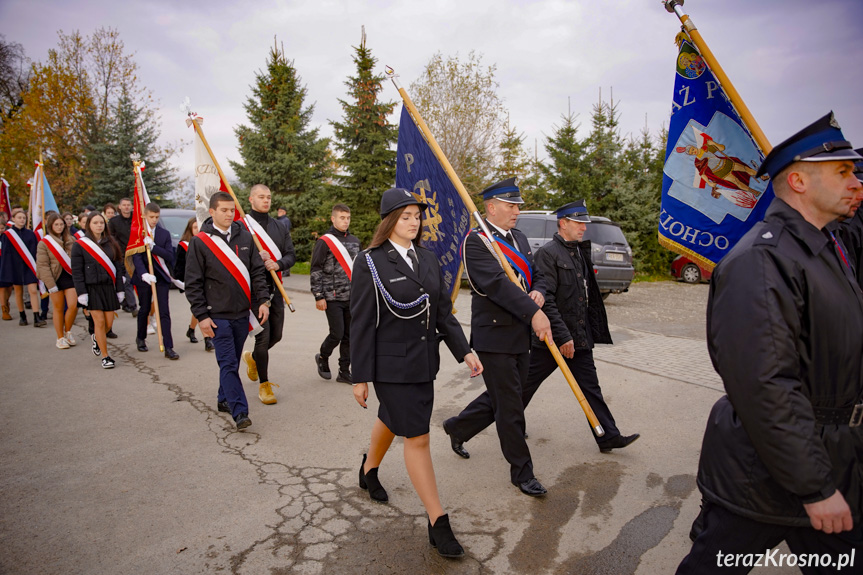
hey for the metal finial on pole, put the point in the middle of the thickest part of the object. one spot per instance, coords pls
(676, 7)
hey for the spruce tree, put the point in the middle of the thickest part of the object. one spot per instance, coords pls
(515, 161)
(563, 174)
(366, 141)
(280, 150)
(129, 129)
(602, 159)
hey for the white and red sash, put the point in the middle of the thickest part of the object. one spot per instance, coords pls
(266, 241)
(340, 252)
(79, 234)
(22, 250)
(100, 256)
(237, 270)
(161, 263)
(184, 245)
(59, 253)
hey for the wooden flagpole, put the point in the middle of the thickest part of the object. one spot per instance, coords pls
(42, 191)
(196, 122)
(146, 229)
(469, 204)
(676, 7)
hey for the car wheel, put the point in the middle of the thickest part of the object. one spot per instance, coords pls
(691, 274)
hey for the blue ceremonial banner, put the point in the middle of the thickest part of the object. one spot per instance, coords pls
(710, 195)
(50, 202)
(447, 221)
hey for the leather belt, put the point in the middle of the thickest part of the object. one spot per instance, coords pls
(850, 416)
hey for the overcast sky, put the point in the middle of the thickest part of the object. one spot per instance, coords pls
(791, 60)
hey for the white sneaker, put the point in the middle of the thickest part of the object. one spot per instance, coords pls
(69, 339)
(151, 327)
(62, 343)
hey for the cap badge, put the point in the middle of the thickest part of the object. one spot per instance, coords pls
(767, 235)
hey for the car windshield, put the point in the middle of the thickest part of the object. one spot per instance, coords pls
(604, 234)
(174, 224)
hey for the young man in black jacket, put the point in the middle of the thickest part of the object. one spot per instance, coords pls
(278, 255)
(225, 279)
(121, 227)
(331, 268)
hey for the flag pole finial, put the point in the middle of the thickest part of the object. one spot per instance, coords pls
(671, 5)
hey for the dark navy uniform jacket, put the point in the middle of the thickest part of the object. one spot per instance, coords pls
(500, 320)
(161, 247)
(400, 350)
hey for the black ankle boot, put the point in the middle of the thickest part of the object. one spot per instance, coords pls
(23, 320)
(370, 481)
(38, 321)
(190, 333)
(442, 538)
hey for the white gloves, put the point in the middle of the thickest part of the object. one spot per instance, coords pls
(54, 289)
(121, 296)
(149, 278)
(148, 241)
(84, 299)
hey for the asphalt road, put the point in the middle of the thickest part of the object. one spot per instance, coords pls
(133, 470)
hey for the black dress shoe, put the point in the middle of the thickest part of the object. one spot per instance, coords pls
(443, 539)
(243, 421)
(617, 442)
(531, 487)
(111, 334)
(190, 333)
(223, 407)
(208, 344)
(370, 482)
(142, 344)
(456, 444)
(323, 367)
(171, 354)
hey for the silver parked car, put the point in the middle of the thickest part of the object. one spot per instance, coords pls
(611, 254)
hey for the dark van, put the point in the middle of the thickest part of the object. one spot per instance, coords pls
(611, 254)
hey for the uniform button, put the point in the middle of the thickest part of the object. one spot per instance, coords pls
(422, 290)
(581, 321)
(581, 299)
(423, 338)
(494, 321)
(422, 322)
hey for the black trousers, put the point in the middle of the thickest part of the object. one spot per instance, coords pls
(502, 404)
(145, 295)
(129, 288)
(730, 544)
(583, 369)
(270, 335)
(339, 320)
(541, 365)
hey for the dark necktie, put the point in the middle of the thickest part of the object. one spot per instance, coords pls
(846, 266)
(415, 261)
(510, 240)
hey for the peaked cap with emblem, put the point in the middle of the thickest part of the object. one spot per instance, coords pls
(575, 211)
(820, 141)
(396, 198)
(505, 191)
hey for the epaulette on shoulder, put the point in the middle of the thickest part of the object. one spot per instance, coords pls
(768, 235)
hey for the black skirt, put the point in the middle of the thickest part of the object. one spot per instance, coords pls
(405, 408)
(65, 281)
(102, 297)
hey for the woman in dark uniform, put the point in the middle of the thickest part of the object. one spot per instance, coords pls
(58, 281)
(97, 291)
(400, 312)
(180, 274)
(15, 272)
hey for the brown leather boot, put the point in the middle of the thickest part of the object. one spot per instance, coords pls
(6, 315)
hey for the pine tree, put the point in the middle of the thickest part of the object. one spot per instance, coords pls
(563, 174)
(366, 141)
(280, 150)
(602, 160)
(129, 129)
(515, 161)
